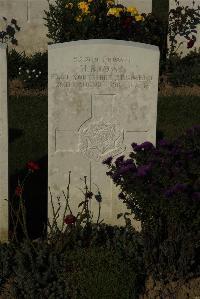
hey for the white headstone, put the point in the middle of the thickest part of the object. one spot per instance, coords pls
(102, 97)
(3, 145)
(143, 6)
(183, 47)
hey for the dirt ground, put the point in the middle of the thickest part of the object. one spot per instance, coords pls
(174, 290)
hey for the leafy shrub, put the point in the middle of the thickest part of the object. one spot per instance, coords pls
(184, 71)
(15, 61)
(6, 257)
(32, 70)
(183, 21)
(162, 188)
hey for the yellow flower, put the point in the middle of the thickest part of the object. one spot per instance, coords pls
(139, 18)
(114, 11)
(132, 10)
(90, 1)
(84, 7)
(78, 18)
(69, 5)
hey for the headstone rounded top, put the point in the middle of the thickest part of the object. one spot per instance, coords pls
(104, 42)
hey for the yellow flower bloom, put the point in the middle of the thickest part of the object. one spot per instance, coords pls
(90, 1)
(84, 7)
(114, 11)
(78, 19)
(69, 5)
(139, 18)
(132, 10)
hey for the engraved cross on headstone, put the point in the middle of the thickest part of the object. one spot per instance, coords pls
(97, 137)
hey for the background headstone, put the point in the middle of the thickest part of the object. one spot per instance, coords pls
(3, 145)
(183, 48)
(102, 96)
(143, 6)
(29, 15)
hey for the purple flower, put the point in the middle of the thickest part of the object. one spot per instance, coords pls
(163, 142)
(126, 168)
(180, 187)
(176, 189)
(116, 176)
(128, 162)
(134, 145)
(98, 197)
(143, 170)
(119, 160)
(196, 196)
(192, 129)
(107, 161)
(168, 193)
(143, 146)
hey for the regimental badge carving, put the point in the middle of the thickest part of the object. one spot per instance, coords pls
(100, 139)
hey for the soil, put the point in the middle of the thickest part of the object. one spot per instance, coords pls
(16, 88)
(174, 290)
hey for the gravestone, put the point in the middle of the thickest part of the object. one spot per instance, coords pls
(3, 145)
(183, 47)
(143, 6)
(29, 15)
(102, 96)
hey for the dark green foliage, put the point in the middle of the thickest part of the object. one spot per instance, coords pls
(32, 70)
(178, 69)
(162, 188)
(85, 262)
(6, 260)
(15, 61)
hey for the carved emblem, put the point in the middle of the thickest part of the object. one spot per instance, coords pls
(100, 139)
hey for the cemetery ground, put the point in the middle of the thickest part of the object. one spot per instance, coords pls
(28, 135)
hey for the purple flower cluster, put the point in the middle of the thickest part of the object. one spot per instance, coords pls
(143, 146)
(176, 189)
(144, 170)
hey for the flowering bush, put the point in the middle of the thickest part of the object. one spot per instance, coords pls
(74, 20)
(183, 21)
(161, 186)
(31, 70)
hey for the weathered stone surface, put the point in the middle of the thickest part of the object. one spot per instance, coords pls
(143, 6)
(102, 97)
(29, 15)
(3, 145)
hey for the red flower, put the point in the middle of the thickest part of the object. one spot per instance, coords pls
(191, 42)
(70, 219)
(18, 191)
(32, 166)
